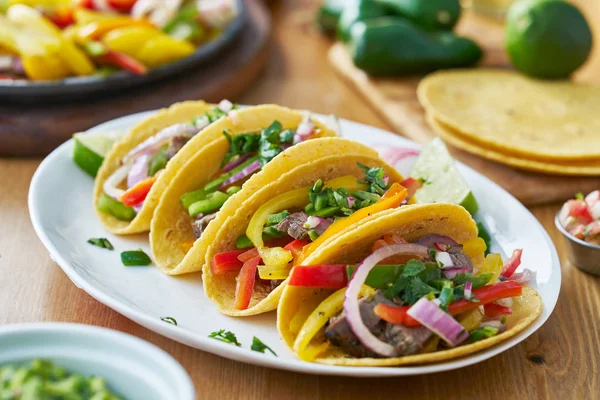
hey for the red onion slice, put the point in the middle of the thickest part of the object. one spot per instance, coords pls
(438, 321)
(351, 201)
(450, 273)
(154, 142)
(351, 307)
(110, 185)
(228, 167)
(468, 290)
(249, 170)
(434, 240)
(312, 222)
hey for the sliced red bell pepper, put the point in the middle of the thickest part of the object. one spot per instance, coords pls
(226, 262)
(295, 246)
(512, 264)
(137, 194)
(332, 276)
(485, 295)
(125, 62)
(62, 17)
(123, 6)
(493, 310)
(253, 252)
(245, 283)
(412, 185)
(395, 315)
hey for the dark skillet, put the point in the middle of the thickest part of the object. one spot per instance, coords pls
(25, 91)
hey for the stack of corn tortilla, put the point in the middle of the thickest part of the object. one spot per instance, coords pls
(545, 126)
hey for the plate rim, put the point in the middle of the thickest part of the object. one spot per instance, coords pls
(192, 339)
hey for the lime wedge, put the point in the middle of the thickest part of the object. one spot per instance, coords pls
(443, 182)
(90, 150)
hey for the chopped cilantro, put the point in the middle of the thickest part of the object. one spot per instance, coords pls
(225, 336)
(375, 178)
(101, 242)
(287, 136)
(413, 268)
(258, 345)
(482, 333)
(579, 196)
(240, 145)
(135, 258)
(169, 320)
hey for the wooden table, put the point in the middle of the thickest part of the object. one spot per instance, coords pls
(561, 360)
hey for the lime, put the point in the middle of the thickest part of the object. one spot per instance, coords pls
(547, 38)
(442, 181)
(90, 150)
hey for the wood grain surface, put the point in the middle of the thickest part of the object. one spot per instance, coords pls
(395, 100)
(34, 130)
(559, 361)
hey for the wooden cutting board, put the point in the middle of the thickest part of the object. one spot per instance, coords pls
(396, 101)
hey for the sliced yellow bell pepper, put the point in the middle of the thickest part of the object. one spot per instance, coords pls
(268, 272)
(475, 247)
(163, 50)
(278, 257)
(84, 16)
(130, 39)
(8, 35)
(330, 307)
(36, 25)
(391, 199)
(97, 29)
(492, 264)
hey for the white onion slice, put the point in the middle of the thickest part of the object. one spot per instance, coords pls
(159, 12)
(312, 222)
(117, 177)
(225, 105)
(351, 306)
(438, 321)
(154, 142)
(103, 6)
(139, 170)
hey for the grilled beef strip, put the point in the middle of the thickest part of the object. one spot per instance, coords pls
(199, 225)
(175, 144)
(293, 225)
(406, 340)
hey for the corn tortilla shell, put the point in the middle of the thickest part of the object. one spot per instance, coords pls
(513, 114)
(411, 222)
(590, 168)
(221, 288)
(177, 113)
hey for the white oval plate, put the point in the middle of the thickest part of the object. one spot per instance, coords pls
(60, 204)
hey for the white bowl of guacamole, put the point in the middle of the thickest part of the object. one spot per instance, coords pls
(87, 363)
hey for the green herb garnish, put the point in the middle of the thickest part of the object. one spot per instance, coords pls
(169, 320)
(101, 242)
(240, 145)
(375, 178)
(135, 258)
(225, 336)
(579, 196)
(258, 345)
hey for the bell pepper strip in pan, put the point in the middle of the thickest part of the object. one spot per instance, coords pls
(330, 307)
(278, 256)
(392, 198)
(97, 29)
(493, 310)
(245, 283)
(484, 295)
(512, 264)
(137, 194)
(226, 262)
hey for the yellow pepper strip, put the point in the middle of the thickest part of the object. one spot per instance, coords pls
(298, 320)
(74, 59)
(84, 16)
(431, 345)
(492, 264)
(44, 68)
(8, 33)
(391, 199)
(313, 350)
(269, 273)
(278, 257)
(130, 39)
(163, 50)
(97, 29)
(330, 307)
(474, 247)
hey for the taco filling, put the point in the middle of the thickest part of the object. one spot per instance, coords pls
(407, 298)
(292, 225)
(248, 154)
(126, 189)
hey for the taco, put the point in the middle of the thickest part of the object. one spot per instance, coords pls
(411, 286)
(251, 255)
(249, 151)
(142, 163)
